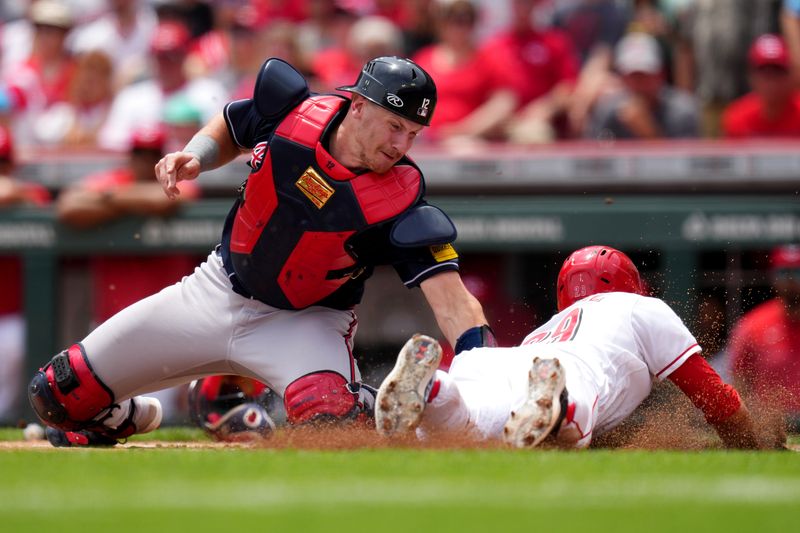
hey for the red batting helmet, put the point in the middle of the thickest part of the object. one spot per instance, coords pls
(593, 270)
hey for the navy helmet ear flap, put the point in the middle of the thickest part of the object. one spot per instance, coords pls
(279, 87)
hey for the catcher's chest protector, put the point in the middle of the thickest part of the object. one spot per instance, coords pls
(300, 206)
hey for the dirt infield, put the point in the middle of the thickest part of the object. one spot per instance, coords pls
(667, 420)
(640, 437)
(44, 445)
(304, 438)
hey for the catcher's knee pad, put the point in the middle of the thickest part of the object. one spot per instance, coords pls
(66, 393)
(319, 397)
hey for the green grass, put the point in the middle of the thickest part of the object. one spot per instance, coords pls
(377, 490)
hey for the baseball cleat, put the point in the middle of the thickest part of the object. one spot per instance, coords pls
(542, 410)
(401, 398)
(145, 414)
(83, 438)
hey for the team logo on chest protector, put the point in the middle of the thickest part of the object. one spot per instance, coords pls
(257, 157)
(314, 187)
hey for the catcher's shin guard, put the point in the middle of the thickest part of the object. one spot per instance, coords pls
(321, 397)
(66, 393)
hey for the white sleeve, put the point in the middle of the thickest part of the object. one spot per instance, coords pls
(664, 341)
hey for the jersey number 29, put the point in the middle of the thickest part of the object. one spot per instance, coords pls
(563, 332)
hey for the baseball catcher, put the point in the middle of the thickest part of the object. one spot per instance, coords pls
(329, 195)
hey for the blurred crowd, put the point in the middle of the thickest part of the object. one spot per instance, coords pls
(83, 74)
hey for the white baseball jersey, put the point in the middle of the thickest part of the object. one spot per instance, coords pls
(611, 347)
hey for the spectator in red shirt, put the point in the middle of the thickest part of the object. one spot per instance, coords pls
(12, 324)
(540, 66)
(765, 343)
(471, 104)
(772, 109)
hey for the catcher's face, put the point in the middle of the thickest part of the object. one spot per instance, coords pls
(382, 137)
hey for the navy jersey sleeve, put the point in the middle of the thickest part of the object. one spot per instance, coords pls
(245, 124)
(415, 265)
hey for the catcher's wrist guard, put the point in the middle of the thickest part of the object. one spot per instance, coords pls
(476, 337)
(205, 148)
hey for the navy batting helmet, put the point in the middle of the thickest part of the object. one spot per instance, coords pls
(234, 408)
(399, 85)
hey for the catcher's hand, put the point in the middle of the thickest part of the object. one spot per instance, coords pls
(175, 167)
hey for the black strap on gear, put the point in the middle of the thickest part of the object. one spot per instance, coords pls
(362, 409)
(240, 192)
(62, 371)
(121, 432)
(351, 272)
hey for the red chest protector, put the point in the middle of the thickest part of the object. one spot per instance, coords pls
(300, 206)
